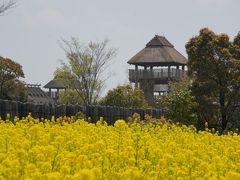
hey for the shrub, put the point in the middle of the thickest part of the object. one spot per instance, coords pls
(179, 103)
(125, 96)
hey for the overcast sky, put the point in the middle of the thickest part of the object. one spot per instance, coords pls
(30, 33)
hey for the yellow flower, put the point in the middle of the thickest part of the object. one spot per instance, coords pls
(120, 123)
(84, 174)
(40, 149)
(232, 175)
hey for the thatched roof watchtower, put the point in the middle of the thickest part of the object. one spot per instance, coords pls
(158, 52)
(160, 63)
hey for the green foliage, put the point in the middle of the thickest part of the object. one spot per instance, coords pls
(236, 47)
(17, 91)
(179, 104)
(65, 76)
(83, 71)
(69, 96)
(11, 87)
(125, 96)
(80, 115)
(214, 68)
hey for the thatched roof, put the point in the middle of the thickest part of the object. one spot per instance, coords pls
(55, 84)
(158, 52)
(36, 92)
(61, 84)
(37, 96)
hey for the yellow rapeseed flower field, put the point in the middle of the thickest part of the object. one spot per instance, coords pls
(30, 149)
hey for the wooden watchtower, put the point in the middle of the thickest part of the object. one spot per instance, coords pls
(155, 65)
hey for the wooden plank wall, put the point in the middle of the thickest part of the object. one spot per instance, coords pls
(109, 113)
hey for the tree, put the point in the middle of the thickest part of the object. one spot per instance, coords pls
(4, 6)
(16, 91)
(69, 96)
(214, 67)
(179, 103)
(10, 86)
(125, 96)
(84, 69)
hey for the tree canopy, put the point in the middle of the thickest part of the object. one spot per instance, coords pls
(84, 69)
(214, 67)
(125, 96)
(69, 96)
(179, 103)
(10, 86)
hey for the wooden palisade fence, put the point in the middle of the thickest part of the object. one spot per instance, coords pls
(109, 113)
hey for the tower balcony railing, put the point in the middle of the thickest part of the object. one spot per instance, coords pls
(156, 74)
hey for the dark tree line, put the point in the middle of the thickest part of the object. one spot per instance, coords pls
(214, 67)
